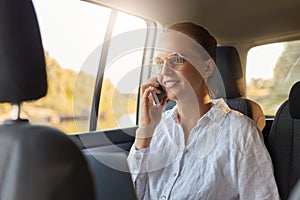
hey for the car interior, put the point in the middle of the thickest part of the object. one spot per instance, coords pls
(69, 166)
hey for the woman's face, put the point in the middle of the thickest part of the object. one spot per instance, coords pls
(189, 79)
(182, 82)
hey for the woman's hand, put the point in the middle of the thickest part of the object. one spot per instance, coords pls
(150, 113)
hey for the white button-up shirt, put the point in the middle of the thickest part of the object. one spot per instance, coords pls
(224, 158)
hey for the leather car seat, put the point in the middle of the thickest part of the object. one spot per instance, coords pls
(229, 65)
(36, 162)
(284, 143)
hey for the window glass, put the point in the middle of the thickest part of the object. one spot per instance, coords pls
(73, 34)
(271, 71)
(71, 31)
(118, 101)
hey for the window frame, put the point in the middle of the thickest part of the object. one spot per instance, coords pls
(147, 54)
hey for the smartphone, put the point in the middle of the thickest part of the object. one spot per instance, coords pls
(159, 97)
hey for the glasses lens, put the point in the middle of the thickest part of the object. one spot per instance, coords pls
(175, 61)
(156, 65)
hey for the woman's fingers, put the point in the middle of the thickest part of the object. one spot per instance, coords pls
(148, 85)
(150, 114)
(149, 90)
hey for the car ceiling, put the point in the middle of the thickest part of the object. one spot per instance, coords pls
(258, 21)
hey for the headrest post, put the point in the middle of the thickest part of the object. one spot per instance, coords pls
(16, 109)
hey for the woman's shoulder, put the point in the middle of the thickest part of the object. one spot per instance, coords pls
(236, 119)
(233, 118)
(242, 130)
(236, 125)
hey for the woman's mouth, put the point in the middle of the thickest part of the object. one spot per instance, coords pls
(171, 83)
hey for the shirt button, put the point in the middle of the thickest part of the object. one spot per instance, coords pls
(175, 174)
(137, 157)
(163, 197)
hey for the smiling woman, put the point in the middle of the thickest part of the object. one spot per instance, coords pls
(200, 149)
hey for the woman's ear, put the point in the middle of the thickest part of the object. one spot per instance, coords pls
(209, 68)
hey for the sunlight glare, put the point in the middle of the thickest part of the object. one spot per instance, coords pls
(261, 61)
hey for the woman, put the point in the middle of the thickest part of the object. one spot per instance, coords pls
(200, 149)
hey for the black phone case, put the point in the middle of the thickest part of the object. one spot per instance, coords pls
(159, 97)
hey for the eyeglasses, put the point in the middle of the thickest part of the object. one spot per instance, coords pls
(173, 60)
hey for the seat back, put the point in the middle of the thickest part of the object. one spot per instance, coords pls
(111, 174)
(36, 162)
(229, 66)
(284, 143)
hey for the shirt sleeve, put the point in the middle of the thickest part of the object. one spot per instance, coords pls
(255, 170)
(137, 161)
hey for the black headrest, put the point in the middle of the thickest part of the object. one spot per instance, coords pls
(22, 62)
(229, 65)
(294, 101)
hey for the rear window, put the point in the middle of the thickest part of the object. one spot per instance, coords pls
(271, 71)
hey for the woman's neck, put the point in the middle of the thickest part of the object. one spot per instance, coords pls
(189, 111)
(193, 108)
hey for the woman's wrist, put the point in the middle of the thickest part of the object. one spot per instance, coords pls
(142, 143)
(144, 136)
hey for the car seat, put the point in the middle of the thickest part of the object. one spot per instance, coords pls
(283, 143)
(36, 162)
(229, 65)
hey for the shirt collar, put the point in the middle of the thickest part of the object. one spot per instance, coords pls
(217, 113)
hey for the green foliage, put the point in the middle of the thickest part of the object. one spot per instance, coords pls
(68, 101)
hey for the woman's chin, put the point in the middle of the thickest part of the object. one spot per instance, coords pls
(172, 94)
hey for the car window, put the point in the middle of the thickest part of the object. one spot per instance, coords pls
(119, 93)
(69, 37)
(271, 71)
(73, 33)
